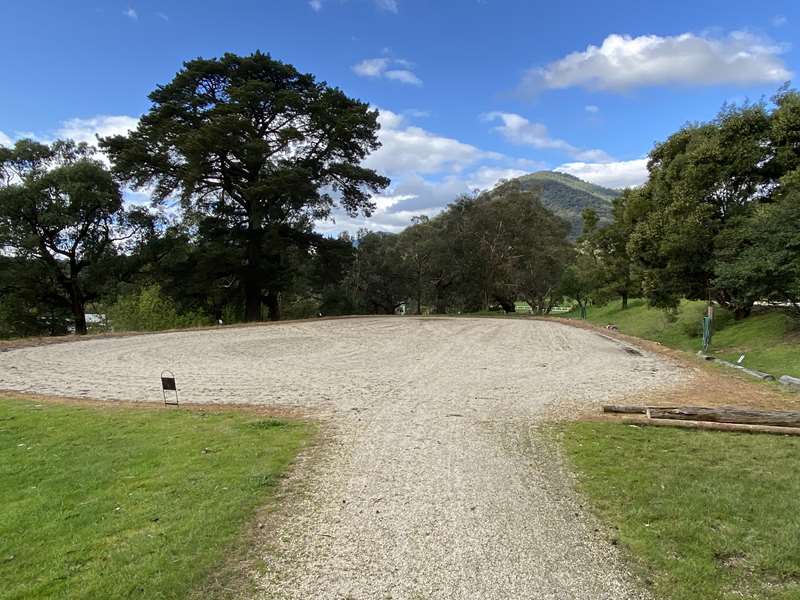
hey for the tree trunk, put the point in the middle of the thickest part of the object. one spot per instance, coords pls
(252, 280)
(419, 291)
(252, 300)
(507, 305)
(78, 310)
(624, 300)
(742, 312)
(273, 305)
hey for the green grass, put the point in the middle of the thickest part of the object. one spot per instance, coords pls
(128, 503)
(704, 515)
(770, 340)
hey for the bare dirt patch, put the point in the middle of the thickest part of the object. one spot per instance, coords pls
(709, 384)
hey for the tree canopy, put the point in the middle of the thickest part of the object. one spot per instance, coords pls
(62, 208)
(257, 150)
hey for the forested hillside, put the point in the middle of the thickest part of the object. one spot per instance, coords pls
(567, 196)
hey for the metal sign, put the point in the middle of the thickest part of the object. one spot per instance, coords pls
(168, 385)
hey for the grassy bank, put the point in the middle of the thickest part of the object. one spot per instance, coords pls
(770, 340)
(704, 515)
(122, 502)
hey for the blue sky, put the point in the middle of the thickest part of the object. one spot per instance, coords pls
(469, 91)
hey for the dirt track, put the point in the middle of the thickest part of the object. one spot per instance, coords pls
(435, 482)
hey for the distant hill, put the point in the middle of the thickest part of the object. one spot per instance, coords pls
(567, 196)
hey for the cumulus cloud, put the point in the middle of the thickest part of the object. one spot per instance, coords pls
(428, 171)
(519, 130)
(131, 14)
(380, 67)
(87, 130)
(371, 67)
(592, 109)
(410, 149)
(618, 174)
(415, 196)
(624, 62)
(404, 76)
(5, 140)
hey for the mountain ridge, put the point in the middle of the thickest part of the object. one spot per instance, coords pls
(567, 196)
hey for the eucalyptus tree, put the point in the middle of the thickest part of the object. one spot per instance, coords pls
(61, 207)
(703, 179)
(261, 149)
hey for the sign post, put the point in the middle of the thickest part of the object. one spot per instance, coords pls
(168, 385)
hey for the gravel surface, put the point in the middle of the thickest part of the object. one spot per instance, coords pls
(434, 481)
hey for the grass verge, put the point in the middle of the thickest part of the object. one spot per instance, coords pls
(705, 515)
(769, 339)
(113, 502)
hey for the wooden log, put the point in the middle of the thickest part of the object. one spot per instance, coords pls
(758, 374)
(728, 415)
(624, 409)
(752, 372)
(705, 425)
(790, 381)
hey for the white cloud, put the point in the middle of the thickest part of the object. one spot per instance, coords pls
(379, 67)
(623, 62)
(485, 178)
(592, 109)
(387, 5)
(415, 196)
(5, 140)
(410, 149)
(131, 14)
(371, 67)
(162, 16)
(87, 130)
(619, 174)
(428, 171)
(519, 130)
(404, 76)
(390, 5)
(779, 21)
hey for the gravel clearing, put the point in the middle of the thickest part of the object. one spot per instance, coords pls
(434, 481)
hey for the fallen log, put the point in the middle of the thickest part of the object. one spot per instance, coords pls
(706, 425)
(790, 381)
(625, 409)
(758, 374)
(727, 415)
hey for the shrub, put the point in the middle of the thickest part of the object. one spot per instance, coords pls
(149, 310)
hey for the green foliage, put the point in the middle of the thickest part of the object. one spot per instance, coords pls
(379, 280)
(254, 149)
(485, 250)
(62, 209)
(147, 309)
(30, 303)
(122, 503)
(301, 308)
(760, 254)
(703, 227)
(567, 197)
(704, 515)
